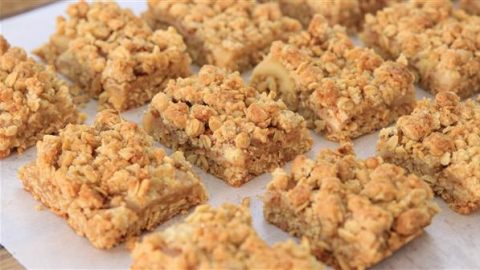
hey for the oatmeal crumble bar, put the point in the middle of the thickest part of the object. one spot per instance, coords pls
(218, 238)
(225, 127)
(232, 34)
(33, 101)
(348, 13)
(440, 141)
(108, 181)
(115, 55)
(354, 212)
(442, 45)
(342, 91)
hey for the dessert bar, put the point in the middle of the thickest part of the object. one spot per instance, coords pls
(225, 127)
(232, 34)
(440, 141)
(114, 55)
(354, 212)
(108, 181)
(341, 90)
(440, 44)
(33, 101)
(218, 238)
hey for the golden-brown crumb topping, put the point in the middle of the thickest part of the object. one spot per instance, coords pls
(326, 57)
(440, 140)
(220, 101)
(115, 156)
(354, 212)
(33, 101)
(400, 23)
(230, 34)
(218, 238)
(440, 44)
(111, 52)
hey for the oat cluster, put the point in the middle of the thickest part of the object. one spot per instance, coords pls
(33, 101)
(218, 238)
(225, 127)
(343, 91)
(353, 212)
(440, 44)
(114, 55)
(440, 141)
(232, 34)
(108, 180)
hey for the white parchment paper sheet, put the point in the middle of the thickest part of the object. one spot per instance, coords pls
(41, 240)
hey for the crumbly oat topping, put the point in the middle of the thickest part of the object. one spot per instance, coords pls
(354, 212)
(348, 13)
(231, 34)
(394, 28)
(218, 238)
(440, 141)
(108, 180)
(226, 127)
(33, 101)
(342, 91)
(115, 55)
(440, 44)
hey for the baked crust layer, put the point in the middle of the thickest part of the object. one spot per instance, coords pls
(440, 141)
(341, 90)
(232, 34)
(354, 212)
(441, 44)
(114, 55)
(218, 238)
(108, 181)
(33, 101)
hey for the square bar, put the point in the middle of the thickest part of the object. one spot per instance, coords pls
(354, 213)
(218, 238)
(440, 141)
(341, 90)
(114, 55)
(33, 101)
(440, 44)
(232, 34)
(108, 181)
(225, 127)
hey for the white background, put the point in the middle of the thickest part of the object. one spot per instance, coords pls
(41, 240)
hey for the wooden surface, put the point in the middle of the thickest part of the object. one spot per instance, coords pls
(12, 7)
(7, 262)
